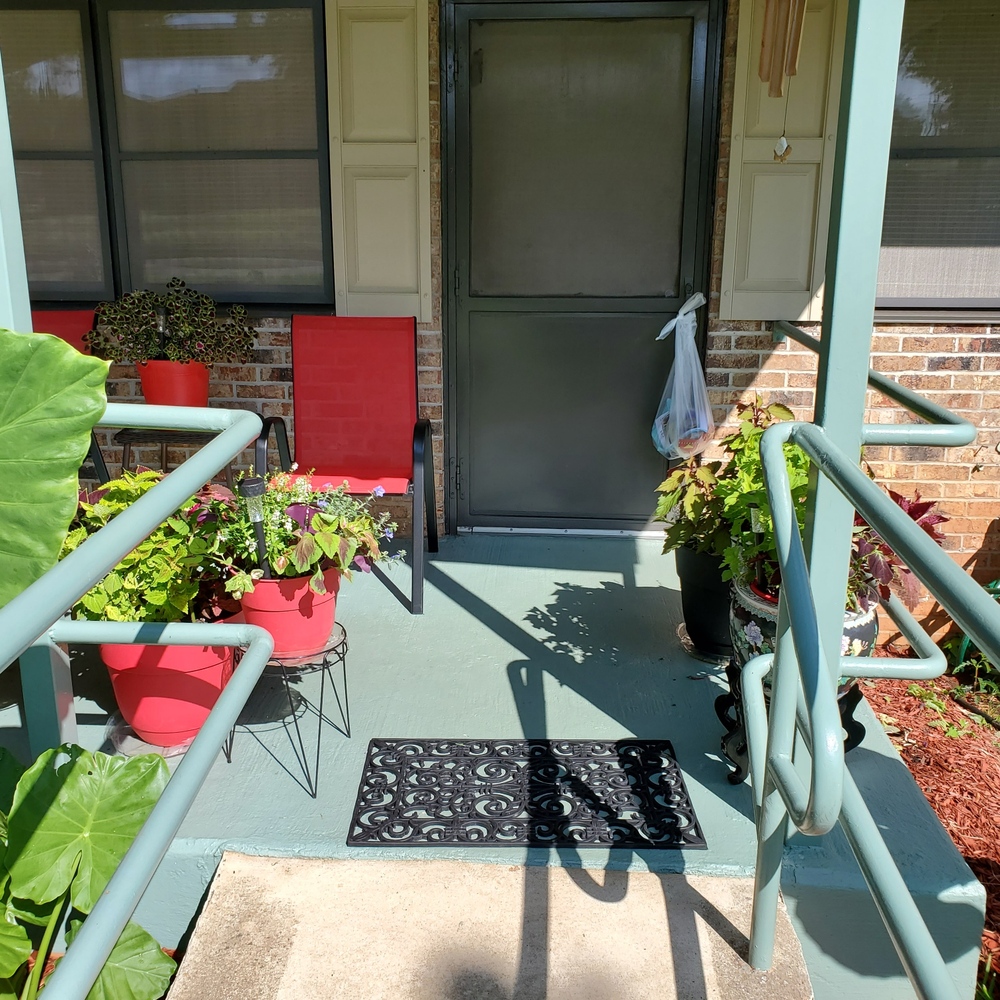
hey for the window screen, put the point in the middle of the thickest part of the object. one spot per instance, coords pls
(57, 155)
(941, 235)
(207, 133)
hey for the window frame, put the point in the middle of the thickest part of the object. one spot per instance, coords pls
(94, 17)
(69, 292)
(909, 309)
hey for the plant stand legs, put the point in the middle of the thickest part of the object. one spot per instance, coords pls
(729, 709)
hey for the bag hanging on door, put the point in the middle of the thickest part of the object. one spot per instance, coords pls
(684, 426)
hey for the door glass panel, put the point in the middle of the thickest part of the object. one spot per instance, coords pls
(188, 81)
(45, 80)
(578, 143)
(206, 221)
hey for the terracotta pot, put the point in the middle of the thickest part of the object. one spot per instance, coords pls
(174, 383)
(299, 619)
(166, 692)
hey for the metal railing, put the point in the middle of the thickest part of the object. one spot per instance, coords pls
(35, 619)
(804, 678)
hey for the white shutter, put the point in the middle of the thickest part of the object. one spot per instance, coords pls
(777, 214)
(377, 53)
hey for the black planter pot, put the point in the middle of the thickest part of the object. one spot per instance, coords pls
(704, 600)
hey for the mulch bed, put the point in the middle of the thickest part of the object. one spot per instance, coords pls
(959, 774)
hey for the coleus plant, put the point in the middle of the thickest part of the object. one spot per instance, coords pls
(65, 825)
(876, 569)
(174, 574)
(307, 531)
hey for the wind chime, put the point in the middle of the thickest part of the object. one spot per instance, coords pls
(780, 46)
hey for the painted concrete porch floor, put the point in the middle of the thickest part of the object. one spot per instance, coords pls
(553, 637)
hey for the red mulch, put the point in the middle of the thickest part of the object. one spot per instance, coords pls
(960, 775)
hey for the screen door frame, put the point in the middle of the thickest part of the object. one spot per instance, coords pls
(700, 176)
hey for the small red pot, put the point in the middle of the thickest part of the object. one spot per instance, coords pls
(166, 692)
(174, 383)
(299, 619)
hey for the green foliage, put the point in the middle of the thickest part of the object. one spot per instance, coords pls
(51, 396)
(136, 967)
(174, 574)
(986, 987)
(692, 508)
(968, 663)
(72, 817)
(752, 552)
(307, 532)
(179, 326)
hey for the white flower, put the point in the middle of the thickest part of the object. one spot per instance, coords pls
(753, 633)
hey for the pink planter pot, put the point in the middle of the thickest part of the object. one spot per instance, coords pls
(299, 619)
(174, 383)
(166, 692)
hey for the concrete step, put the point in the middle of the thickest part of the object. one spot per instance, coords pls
(446, 930)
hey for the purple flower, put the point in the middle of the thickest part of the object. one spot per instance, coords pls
(302, 513)
(362, 563)
(389, 534)
(379, 491)
(753, 633)
(199, 346)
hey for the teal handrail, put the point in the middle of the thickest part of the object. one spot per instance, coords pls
(803, 699)
(945, 429)
(34, 616)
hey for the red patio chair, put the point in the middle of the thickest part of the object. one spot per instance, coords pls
(73, 325)
(355, 416)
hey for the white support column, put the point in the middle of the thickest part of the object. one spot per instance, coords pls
(15, 306)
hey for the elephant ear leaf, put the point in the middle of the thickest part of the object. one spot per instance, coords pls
(136, 968)
(51, 396)
(75, 814)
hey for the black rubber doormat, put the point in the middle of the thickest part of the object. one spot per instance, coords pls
(540, 793)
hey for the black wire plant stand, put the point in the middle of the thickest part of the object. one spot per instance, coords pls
(265, 712)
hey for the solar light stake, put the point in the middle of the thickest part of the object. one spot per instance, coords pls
(251, 489)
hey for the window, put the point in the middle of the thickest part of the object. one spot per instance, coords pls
(941, 235)
(152, 141)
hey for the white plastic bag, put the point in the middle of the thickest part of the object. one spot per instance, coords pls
(684, 425)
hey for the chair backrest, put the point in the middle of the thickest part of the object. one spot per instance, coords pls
(71, 325)
(354, 394)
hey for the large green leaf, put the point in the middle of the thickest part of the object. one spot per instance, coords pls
(51, 396)
(72, 803)
(11, 770)
(14, 948)
(136, 968)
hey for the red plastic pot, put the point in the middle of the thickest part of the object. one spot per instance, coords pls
(174, 383)
(299, 619)
(166, 692)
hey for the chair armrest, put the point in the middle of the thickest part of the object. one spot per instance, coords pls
(421, 441)
(281, 440)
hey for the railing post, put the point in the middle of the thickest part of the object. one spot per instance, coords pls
(47, 690)
(15, 307)
(861, 163)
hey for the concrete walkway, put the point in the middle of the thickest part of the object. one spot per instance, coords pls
(446, 930)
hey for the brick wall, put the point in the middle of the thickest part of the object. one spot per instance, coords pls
(956, 366)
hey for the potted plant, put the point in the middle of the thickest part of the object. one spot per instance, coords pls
(171, 338)
(164, 692)
(699, 528)
(698, 531)
(751, 560)
(65, 825)
(291, 544)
